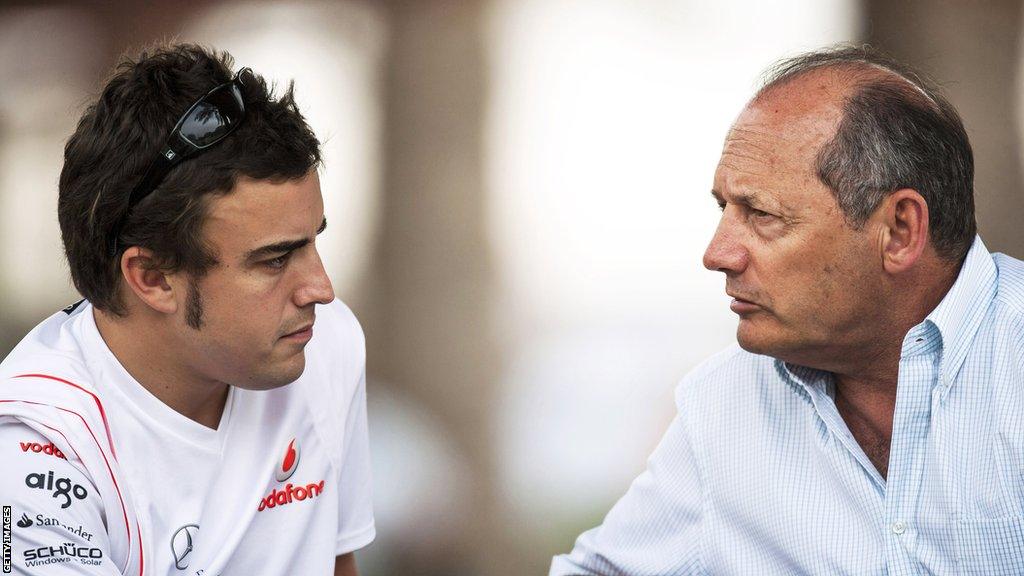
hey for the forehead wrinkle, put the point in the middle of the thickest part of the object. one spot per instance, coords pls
(754, 138)
(741, 190)
(769, 154)
(749, 149)
(747, 153)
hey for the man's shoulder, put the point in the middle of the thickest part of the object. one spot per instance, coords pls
(732, 369)
(51, 351)
(333, 384)
(1010, 290)
(727, 364)
(339, 327)
(336, 356)
(733, 390)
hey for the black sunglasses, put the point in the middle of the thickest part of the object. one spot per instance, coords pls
(207, 121)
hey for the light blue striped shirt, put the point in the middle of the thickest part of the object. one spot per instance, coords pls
(759, 474)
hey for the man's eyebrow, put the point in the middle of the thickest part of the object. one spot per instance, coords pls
(746, 199)
(282, 247)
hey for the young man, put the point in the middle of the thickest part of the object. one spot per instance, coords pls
(203, 410)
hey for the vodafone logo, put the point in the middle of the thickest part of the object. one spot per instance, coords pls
(290, 462)
(38, 448)
(290, 493)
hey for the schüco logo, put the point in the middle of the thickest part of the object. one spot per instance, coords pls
(61, 487)
(67, 552)
(38, 448)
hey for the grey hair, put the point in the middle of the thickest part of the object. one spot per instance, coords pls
(897, 131)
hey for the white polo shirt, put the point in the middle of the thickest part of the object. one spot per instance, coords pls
(104, 478)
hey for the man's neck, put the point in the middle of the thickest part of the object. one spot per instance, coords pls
(866, 385)
(152, 362)
(868, 408)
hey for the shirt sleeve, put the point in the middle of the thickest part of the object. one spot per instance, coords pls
(355, 514)
(654, 529)
(57, 517)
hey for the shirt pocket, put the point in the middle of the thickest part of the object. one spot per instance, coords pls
(991, 547)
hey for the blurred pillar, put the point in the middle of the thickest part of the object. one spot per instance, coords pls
(972, 49)
(428, 321)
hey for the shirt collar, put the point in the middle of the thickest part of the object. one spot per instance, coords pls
(960, 313)
(811, 382)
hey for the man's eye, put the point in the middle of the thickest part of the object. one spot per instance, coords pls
(278, 262)
(721, 206)
(760, 213)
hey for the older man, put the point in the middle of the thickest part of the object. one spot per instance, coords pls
(871, 419)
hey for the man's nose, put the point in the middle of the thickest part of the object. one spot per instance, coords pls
(726, 252)
(317, 288)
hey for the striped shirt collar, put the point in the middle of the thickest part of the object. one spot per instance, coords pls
(962, 310)
(950, 327)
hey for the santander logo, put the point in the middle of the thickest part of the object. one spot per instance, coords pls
(48, 448)
(291, 492)
(291, 461)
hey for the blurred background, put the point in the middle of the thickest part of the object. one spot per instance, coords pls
(518, 193)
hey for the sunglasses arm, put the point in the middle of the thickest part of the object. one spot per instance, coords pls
(171, 153)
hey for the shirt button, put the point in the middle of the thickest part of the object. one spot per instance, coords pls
(898, 527)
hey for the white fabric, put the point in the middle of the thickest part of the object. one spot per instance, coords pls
(155, 481)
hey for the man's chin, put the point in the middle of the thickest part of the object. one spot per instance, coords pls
(780, 345)
(756, 340)
(281, 375)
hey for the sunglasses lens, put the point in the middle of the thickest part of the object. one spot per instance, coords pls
(212, 118)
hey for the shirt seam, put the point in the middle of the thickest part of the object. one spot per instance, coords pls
(353, 540)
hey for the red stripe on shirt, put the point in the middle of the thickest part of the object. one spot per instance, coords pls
(103, 413)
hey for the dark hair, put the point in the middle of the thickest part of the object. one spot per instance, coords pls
(118, 137)
(897, 131)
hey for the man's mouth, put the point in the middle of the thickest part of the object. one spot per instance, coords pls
(303, 333)
(742, 306)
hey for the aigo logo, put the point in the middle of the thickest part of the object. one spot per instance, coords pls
(290, 462)
(64, 486)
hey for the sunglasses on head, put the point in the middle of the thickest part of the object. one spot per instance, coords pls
(208, 121)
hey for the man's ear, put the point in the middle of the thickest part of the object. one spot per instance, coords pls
(904, 221)
(147, 281)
